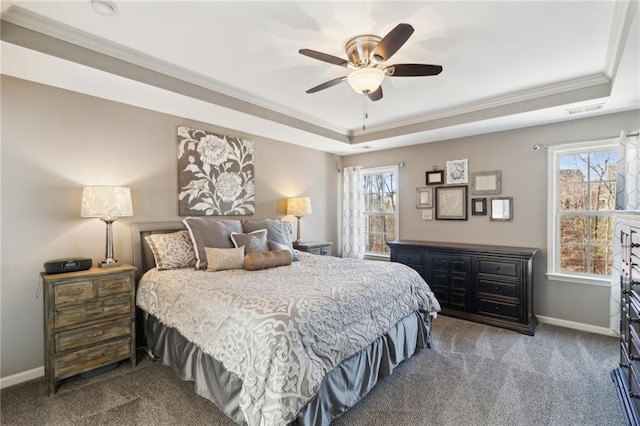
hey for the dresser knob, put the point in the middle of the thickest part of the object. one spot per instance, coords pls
(497, 288)
(497, 268)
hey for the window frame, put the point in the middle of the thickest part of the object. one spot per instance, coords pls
(553, 214)
(378, 170)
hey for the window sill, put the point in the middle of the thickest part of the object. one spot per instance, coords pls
(579, 279)
(373, 256)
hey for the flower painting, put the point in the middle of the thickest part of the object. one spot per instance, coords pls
(215, 174)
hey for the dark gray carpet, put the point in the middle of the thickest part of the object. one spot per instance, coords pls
(474, 375)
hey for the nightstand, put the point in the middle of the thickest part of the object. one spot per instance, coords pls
(315, 247)
(89, 321)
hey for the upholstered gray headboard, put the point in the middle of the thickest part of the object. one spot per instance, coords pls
(142, 256)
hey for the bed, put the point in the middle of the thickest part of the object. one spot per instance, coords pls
(294, 344)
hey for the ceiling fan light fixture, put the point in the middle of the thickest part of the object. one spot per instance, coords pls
(366, 80)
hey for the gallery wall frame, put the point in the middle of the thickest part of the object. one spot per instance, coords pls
(424, 197)
(451, 202)
(457, 171)
(501, 209)
(479, 206)
(485, 183)
(435, 177)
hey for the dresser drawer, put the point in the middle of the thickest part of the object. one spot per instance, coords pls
(91, 335)
(92, 311)
(90, 358)
(73, 292)
(498, 308)
(498, 288)
(505, 268)
(409, 258)
(114, 285)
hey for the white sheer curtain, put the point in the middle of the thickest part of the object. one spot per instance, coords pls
(353, 213)
(627, 198)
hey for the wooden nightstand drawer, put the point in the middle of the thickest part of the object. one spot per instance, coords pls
(90, 358)
(114, 285)
(93, 311)
(85, 336)
(315, 247)
(73, 292)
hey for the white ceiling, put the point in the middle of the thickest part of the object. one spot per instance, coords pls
(506, 64)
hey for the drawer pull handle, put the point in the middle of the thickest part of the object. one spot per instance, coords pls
(72, 293)
(98, 333)
(497, 288)
(634, 395)
(497, 268)
(497, 308)
(633, 319)
(98, 311)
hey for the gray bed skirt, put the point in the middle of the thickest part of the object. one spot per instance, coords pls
(341, 388)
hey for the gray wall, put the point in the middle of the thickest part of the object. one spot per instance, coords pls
(524, 177)
(54, 142)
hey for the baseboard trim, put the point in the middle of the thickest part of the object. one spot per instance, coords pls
(25, 376)
(576, 325)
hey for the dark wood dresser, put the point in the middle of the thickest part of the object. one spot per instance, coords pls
(627, 376)
(89, 321)
(482, 283)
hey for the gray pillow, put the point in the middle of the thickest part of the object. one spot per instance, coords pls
(207, 232)
(277, 231)
(274, 246)
(253, 242)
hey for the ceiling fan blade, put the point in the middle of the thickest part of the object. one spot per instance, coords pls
(376, 95)
(412, 70)
(393, 41)
(325, 57)
(327, 84)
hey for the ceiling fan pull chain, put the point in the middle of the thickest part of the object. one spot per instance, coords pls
(364, 110)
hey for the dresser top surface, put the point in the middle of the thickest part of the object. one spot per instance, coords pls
(463, 246)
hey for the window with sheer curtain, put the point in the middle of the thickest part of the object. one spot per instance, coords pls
(380, 187)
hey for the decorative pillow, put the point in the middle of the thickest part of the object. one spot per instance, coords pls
(277, 246)
(207, 232)
(278, 231)
(172, 250)
(253, 242)
(219, 259)
(267, 259)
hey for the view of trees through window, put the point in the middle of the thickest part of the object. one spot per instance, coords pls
(380, 198)
(586, 196)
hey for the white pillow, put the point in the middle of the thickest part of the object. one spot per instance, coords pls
(219, 259)
(172, 250)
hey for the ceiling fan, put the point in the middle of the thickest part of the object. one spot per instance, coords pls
(366, 53)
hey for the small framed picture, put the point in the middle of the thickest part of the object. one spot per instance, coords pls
(457, 171)
(479, 206)
(483, 183)
(427, 214)
(424, 197)
(435, 177)
(451, 202)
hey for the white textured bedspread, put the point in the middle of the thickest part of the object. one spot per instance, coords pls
(281, 330)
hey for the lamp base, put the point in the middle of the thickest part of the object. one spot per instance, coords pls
(109, 264)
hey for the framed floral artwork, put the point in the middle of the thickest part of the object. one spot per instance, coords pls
(457, 171)
(215, 174)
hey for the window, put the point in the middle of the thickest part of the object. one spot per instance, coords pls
(582, 195)
(380, 208)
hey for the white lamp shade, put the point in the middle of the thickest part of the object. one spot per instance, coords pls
(366, 80)
(106, 202)
(299, 206)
